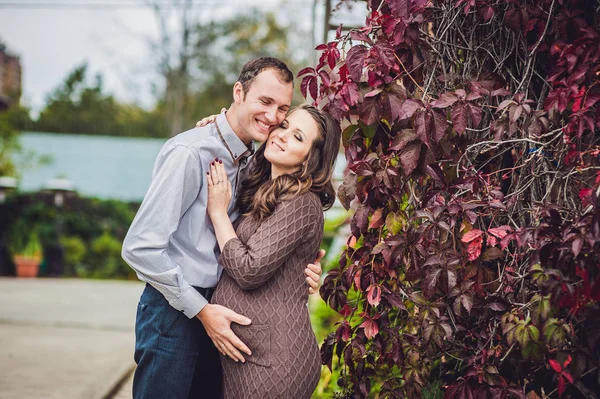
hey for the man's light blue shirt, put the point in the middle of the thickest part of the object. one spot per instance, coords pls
(171, 243)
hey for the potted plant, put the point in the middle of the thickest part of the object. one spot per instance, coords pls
(27, 261)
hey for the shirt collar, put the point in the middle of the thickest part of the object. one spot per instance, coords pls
(236, 147)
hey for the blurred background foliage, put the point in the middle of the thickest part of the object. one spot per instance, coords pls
(193, 81)
(199, 83)
(89, 230)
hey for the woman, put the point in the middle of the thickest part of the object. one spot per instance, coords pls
(282, 202)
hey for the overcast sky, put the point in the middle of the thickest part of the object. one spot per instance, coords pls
(52, 38)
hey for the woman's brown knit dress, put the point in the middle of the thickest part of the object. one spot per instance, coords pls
(264, 279)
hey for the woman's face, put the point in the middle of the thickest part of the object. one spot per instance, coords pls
(288, 145)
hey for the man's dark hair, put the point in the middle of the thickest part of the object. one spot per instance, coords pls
(252, 68)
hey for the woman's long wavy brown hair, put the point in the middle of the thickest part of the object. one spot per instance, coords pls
(260, 194)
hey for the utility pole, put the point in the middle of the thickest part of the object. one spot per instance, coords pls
(328, 26)
(314, 36)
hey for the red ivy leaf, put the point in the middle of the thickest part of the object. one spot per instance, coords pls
(578, 99)
(474, 248)
(305, 71)
(357, 280)
(332, 56)
(471, 235)
(324, 75)
(377, 219)
(309, 85)
(500, 232)
(344, 331)
(338, 31)
(374, 295)
(370, 327)
(373, 79)
(312, 88)
(506, 240)
(349, 94)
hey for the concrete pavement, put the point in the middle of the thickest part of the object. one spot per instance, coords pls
(65, 338)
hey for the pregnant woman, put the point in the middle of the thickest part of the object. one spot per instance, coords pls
(264, 257)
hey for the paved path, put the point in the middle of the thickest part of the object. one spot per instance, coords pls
(124, 390)
(65, 338)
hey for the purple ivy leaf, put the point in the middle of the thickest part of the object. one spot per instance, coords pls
(440, 124)
(446, 100)
(409, 107)
(409, 157)
(460, 118)
(423, 126)
(403, 137)
(368, 111)
(355, 60)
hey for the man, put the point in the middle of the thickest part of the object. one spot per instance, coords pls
(172, 247)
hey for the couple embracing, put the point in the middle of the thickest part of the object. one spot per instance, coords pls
(226, 239)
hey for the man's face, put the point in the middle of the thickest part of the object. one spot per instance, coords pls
(265, 105)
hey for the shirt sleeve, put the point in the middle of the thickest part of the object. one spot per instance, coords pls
(253, 263)
(176, 182)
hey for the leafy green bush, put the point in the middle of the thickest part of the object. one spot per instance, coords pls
(105, 259)
(74, 252)
(90, 230)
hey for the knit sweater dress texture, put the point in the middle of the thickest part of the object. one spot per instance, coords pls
(264, 279)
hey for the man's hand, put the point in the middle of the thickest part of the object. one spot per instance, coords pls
(217, 321)
(313, 273)
(209, 119)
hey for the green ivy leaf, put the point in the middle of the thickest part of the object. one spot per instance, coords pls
(394, 223)
(553, 333)
(533, 351)
(348, 133)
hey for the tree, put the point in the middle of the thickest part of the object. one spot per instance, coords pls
(472, 139)
(198, 74)
(174, 51)
(11, 121)
(76, 107)
(9, 144)
(201, 67)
